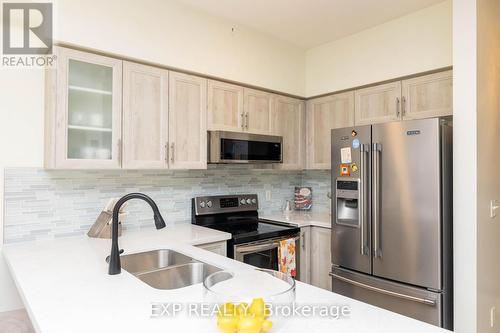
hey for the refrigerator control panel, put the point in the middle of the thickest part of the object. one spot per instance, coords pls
(350, 185)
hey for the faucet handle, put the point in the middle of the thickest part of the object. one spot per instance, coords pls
(120, 252)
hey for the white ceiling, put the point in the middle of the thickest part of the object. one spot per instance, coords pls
(309, 23)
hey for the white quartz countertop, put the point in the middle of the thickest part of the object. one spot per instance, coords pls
(65, 287)
(301, 219)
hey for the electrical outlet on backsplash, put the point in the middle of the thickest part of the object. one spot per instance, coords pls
(45, 204)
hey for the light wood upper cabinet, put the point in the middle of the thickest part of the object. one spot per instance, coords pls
(321, 258)
(323, 115)
(225, 106)
(237, 109)
(165, 115)
(428, 96)
(83, 111)
(145, 116)
(257, 111)
(187, 121)
(288, 121)
(378, 104)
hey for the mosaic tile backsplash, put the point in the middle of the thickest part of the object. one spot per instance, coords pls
(44, 204)
(320, 182)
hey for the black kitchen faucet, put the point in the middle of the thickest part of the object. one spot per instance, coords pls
(114, 258)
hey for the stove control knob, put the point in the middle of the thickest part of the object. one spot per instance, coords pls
(242, 201)
(249, 201)
(254, 201)
(202, 204)
(209, 204)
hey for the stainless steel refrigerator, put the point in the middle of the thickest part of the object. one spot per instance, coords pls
(392, 217)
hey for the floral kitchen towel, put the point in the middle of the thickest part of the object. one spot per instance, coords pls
(286, 254)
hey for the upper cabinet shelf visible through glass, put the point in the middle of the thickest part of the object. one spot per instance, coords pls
(90, 95)
(88, 110)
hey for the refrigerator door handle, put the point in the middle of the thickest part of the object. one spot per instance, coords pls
(426, 301)
(377, 251)
(364, 149)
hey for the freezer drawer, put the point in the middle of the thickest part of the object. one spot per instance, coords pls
(417, 303)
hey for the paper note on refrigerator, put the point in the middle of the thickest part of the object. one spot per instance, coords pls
(345, 155)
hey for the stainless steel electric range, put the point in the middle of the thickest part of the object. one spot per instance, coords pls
(255, 241)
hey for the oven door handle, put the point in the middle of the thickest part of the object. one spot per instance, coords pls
(260, 247)
(256, 248)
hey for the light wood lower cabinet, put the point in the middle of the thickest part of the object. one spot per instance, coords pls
(225, 106)
(320, 258)
(145, 116)
(187, 122)
(428, 96)
(323, 115)
(378, 104)
(288, 121)
(305, 254)
(217, 247)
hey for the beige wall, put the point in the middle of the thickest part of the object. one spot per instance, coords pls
(488, 162)
(21, 144)
(477, 163)
(415, 43)
(165, 32)
(464, 164)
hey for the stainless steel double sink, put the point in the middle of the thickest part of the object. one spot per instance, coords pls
(166, 269)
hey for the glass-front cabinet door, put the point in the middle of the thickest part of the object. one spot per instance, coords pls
(89, 97)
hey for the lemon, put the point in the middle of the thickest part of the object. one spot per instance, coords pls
(227, 324)
(267, 325)
(242, 309)
(258, 308)
(250, 324)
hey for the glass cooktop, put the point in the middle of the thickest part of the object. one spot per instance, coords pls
(250, 231)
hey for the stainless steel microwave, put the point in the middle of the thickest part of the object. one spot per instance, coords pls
(233, 147)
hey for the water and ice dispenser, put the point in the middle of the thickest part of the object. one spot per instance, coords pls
(347, 201)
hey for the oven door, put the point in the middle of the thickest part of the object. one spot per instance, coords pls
(264, 254)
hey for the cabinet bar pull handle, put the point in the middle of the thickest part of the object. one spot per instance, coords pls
(120, 151)
(172, 152)
(403, 106)
(242, 121)
(246, 118)
(166, 152)
(364, 149)
(398, 110)
(377, 251)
